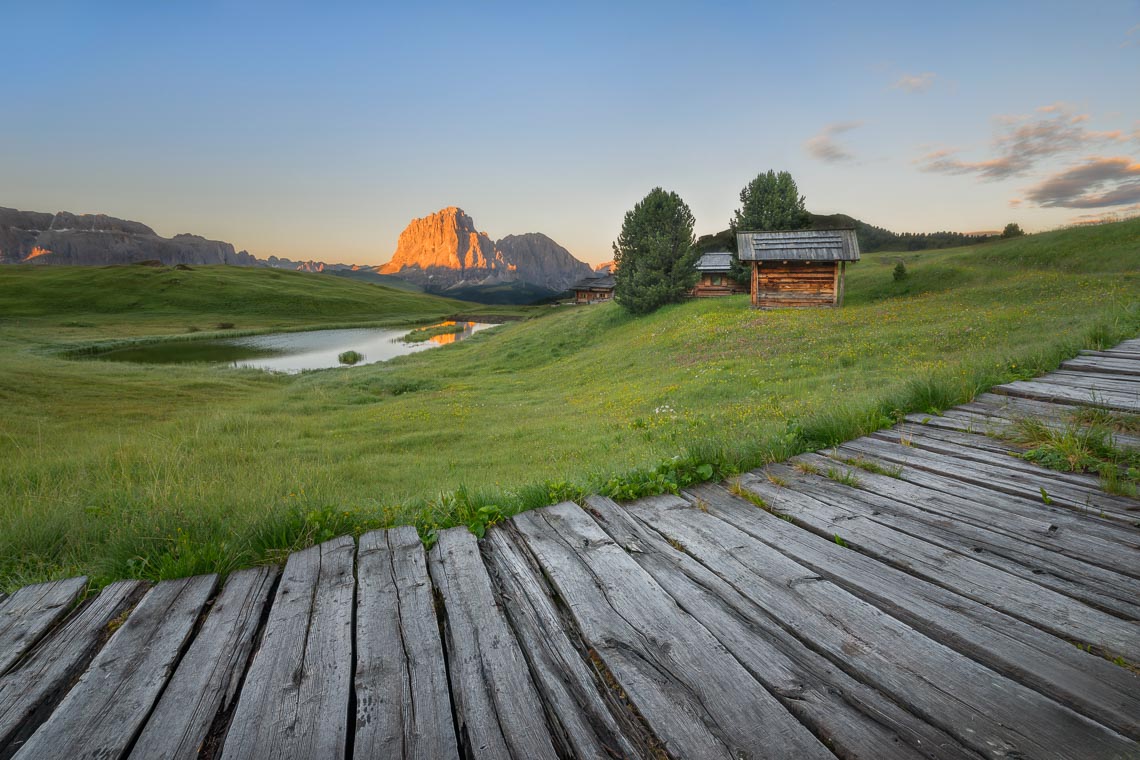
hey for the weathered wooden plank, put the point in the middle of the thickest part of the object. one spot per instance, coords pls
(103, 712)
(1053, 666)
(992, 714)
(912, 432)
(208, 676)
(31, 690)
(697, 698)
(31, 612)
(581, 708)
(1009, 481)
(854, 719)
(1095, 381)
(1099, 587)
(294, 702)
(1016, 596)
(1059, 532)
(916, 440)
(1104, 365)
(1067, 395)
(1027, 506)
(403, 707)
(498, 712)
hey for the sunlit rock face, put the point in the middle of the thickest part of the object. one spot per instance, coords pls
(445, 250)
(97, 239)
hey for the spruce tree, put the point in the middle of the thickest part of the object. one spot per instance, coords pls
(771, 202)
(654, 253)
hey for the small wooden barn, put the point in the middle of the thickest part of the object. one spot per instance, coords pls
(596, 288)
(798, 267)
(714, 276)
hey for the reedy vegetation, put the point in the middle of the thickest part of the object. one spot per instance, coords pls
(120, 470)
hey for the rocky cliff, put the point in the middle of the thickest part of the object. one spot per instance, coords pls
(445, 251)
(540, 261)
(97, 239)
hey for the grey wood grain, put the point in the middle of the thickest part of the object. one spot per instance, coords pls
(698, 699)
(1063, 394)
(857, 720)
(1060, 531)
(1114, 383)
(498, 710)
(31, 690)
(1105, 365)
(1099, 587)
(1016, 596)
(403, 705)
(1051, 665)
(31, 612)
(579, 706)
(1028, 506)
(103, 712)
(294, 703)
(1005, 480)
(208, 676)
(993, 715)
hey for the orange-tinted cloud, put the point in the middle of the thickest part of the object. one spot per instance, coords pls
(826, 148)
(1098, 182)
(1023, 142)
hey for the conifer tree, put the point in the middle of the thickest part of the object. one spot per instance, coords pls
(654, 254)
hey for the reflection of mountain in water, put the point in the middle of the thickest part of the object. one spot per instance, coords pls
(454, 337)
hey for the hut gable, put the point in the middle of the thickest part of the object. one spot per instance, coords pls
(714, 276)
(798, 267)
(600, 287)
(798, 245)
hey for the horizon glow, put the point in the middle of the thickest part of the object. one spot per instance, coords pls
(318, 132)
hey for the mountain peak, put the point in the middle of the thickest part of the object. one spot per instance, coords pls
(444, 250)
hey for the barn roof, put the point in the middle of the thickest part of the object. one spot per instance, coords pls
(720, 261)
(604, 282)
(798, 245)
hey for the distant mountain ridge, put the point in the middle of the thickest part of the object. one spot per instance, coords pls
(444, 251)
(440, 252)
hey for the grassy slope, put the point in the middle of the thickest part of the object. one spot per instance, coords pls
(117, 470)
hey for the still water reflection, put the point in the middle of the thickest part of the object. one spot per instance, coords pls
(292, 352)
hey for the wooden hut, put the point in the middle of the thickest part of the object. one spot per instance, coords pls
(596, 288)
(798, 267)
(714, 276)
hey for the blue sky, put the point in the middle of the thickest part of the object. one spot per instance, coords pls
(318, 130)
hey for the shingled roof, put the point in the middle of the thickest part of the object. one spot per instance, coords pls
(719, 261)
(798, 245)
(605, 282)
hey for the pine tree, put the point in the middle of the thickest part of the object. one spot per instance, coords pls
(771, 202)
(654, 253)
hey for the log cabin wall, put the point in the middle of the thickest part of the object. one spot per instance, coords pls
(777, 284)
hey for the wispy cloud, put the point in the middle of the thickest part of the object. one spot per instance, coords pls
(1023, 142)
(1132, 37)
(826, 148)
(1098, 182)
(915, 82)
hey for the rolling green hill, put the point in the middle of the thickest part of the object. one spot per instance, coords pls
(31, 291)
(128, 470)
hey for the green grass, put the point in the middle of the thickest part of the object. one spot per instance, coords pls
(1085, 444)
(114, 469)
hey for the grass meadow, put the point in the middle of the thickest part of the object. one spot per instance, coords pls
(117, 470)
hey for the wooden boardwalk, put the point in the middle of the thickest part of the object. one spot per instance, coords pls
(958, 603)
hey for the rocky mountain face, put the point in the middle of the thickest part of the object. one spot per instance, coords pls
(97, 239)
(444, 251)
